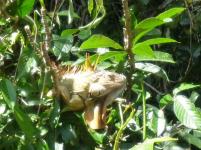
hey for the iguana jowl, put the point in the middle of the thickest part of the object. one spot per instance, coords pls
(92, 91)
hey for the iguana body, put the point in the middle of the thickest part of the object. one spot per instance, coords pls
(92, 91)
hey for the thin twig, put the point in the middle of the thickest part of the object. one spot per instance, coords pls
(120, 132)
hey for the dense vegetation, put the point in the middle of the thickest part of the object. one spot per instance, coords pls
(155, 44)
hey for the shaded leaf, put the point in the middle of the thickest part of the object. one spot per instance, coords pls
(99, 41)
(186, 112)
(149, 143)
(9, 93)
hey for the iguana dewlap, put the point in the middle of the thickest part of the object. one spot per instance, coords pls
(91, 91)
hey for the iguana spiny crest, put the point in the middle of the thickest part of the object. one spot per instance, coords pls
(91, 90)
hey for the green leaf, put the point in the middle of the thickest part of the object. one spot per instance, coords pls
(183, 87)
(99, 41)
(148, 23)
(158, 56)
(156, 120)
(165, 100)
(68, 32)
(149, 143)
(90, 5)
(158, 41)
(151, 68)
(98, 137)
(8, 92)
(113, 54)
(191, 139)
(25, 122)
(170, 13)
(143, 50)
(186, 112)
(24, 7)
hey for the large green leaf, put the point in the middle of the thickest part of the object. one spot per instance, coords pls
(158, 56)
(143, 50)
(157, 41)
(186, 112)
(148, 23)
(183, 87)
(9, 93)
(170, 13)
(100, 41)
(24, 7)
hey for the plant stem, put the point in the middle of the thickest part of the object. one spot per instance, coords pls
(144, 134)
(123, 126)
(128, 36)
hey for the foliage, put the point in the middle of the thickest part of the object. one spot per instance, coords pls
(159, 110)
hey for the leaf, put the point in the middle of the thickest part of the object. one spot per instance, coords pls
(143, 50)
(194, 96)
(158, 56)
(100, 41)
(158, 41)
(148, 23)
(90, 5)
(68, 32)
(70, 12)
(156, 120)
(170, 13)
(112, 54)
(151, 68)
(186, 112)
(191, 139)
(149, 143)
(9, 93)
(183, 87)
(98, 137)
(25, 122)
(165, 100)
(24, 7)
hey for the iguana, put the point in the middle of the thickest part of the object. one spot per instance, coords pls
(91, 90)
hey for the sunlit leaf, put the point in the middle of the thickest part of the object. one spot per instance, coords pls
(90, 5)
(100, 41)
(183, 87)
(165, 100)
(151, 68)
(158, 56)
(24, 7)
(158, 41)
(170, 13)
(186, 112)
(98, 137)
(148, 23)
(143, 50)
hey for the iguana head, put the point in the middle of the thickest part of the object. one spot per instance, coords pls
(86, 88)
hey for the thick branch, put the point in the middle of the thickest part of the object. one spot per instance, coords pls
(128, 36)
